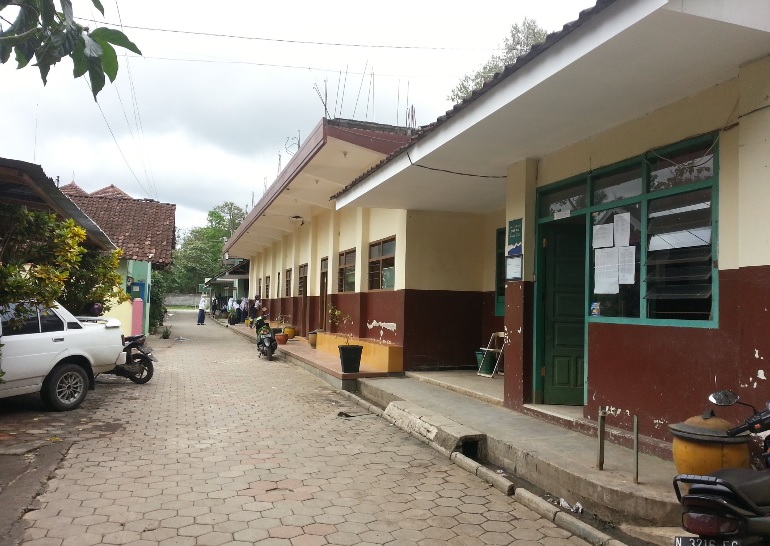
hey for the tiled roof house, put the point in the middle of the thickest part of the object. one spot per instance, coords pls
(143, 228)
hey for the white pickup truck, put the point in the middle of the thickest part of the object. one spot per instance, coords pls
(56, 354)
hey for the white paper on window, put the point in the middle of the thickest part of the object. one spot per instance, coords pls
(606, 271)
(626, 264)
(622, 229)
(602, 236)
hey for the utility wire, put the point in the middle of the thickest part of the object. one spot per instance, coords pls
(451, 172)
(116, 142)
(288, 41)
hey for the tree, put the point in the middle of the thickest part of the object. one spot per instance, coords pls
(95, 280)
(519, 40)
(37, 255)
(226, 218)
(200, 252)
(48, 35)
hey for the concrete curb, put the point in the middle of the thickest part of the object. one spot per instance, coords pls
(535, 503)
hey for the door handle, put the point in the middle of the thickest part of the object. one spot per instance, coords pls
(56, 339)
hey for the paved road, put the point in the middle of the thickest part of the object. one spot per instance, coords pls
(223, 448)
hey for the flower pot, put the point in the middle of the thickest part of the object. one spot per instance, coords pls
(291, 331)
(312, 339)
(350, 357)
(282, 339)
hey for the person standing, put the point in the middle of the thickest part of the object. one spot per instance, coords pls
(201, 310)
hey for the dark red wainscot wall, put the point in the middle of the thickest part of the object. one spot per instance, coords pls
(664, 374)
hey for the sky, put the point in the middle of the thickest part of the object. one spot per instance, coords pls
(217, 102)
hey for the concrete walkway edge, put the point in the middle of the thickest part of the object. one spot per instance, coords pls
(530, 500)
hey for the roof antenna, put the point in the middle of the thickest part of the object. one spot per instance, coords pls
(360, 87)
(322, 97)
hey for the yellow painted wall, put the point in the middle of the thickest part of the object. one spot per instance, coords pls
(348, 226)
(451, 251)
(710, 111)
(754, 165)
(122, 312)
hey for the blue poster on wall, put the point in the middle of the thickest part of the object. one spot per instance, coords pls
(514, 237)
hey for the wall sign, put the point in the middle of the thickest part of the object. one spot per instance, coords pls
(514, 237)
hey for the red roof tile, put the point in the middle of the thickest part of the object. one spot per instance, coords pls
(143, 228)
(72, 189)
(110, 191)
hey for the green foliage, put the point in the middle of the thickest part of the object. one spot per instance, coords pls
(519, 40)
(339, 318)
(200, 253)
(166, 333)
(47, 35)
(38, 253)
(95, 280)
(159, 286)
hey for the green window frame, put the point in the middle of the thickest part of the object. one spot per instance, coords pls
(382, 264)
(670, 198)
(500, 272)
(346, 271)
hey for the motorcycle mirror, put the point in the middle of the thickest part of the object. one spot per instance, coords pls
(724, 398)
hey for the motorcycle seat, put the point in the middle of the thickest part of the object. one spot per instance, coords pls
(754, 484)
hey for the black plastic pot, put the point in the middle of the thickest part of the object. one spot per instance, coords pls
(350, 357)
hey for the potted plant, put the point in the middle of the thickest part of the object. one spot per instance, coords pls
(281, 336)
(350, 355)
(287, 326)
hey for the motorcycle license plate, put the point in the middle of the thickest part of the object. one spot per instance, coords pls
(696, 541)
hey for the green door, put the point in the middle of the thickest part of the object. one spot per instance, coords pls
(564, 313)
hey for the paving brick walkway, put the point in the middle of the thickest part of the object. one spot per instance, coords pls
(223, 448)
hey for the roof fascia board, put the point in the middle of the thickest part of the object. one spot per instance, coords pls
(309, 149)
(605, 25)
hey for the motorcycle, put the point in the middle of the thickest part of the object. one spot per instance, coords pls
(139, 358)
(731, 506)
(266, 343)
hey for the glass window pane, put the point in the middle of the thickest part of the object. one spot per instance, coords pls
(617, 186)
(388, 276)
(350, 280)
(350, 257)
(50, 321)
(375, 251)
(625, 287)
(389, 248)
(563, 200)
(682, 168)
(680, 221)
(679, 257)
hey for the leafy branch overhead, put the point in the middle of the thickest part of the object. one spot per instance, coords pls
(521, 37)
(43, 33)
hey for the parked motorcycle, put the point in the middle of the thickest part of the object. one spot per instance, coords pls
(139, 358)
(731, 506)
(266, 343)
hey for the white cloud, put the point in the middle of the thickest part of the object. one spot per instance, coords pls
(212, 116)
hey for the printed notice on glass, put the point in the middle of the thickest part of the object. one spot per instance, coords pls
(626, 264)
(602, 236)
(606, 271)
(622, 229)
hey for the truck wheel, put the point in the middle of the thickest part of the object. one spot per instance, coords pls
(65, 388)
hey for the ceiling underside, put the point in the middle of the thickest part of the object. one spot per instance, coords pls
(556, 101)
(334, 166)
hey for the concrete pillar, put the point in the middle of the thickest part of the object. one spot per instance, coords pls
(519, 295)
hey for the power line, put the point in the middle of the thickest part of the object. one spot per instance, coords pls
(289, 41)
